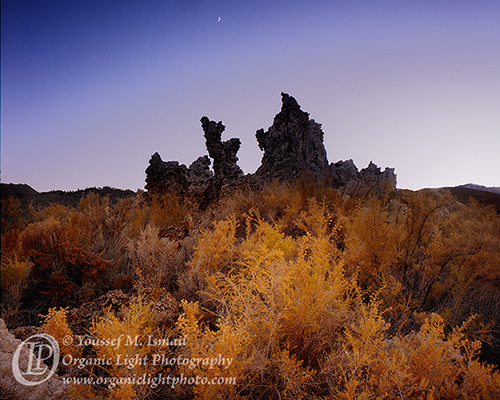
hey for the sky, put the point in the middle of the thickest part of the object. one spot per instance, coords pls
(90, 89)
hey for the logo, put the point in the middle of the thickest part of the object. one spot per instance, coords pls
(33, 357)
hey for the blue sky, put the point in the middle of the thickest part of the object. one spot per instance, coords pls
(91, 89)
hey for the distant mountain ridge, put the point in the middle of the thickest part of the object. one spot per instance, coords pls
(17, 190)
(26, 194)
(467, 194)
(492, 189)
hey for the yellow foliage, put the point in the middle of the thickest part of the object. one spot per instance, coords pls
(371, 242)
(124, 342)
(14, 280)
(216, 248)
(160, 211)
(55, 324)
(293, 297)
(11, 208)
(125, 392)
(288, 299)
(278, 200)
(425, 364)
(309, 293)
(129, 331)
(266, 241)
(78, 257)
(222, 353)
(57, 211)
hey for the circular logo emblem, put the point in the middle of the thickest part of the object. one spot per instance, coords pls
(38, 362)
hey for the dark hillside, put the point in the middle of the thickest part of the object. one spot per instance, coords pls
(466, 195)
(26, 195)
(18, 190)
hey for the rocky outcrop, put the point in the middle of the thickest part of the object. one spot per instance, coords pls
(369, 181)
(163, 176)
(171, 176)
(223, 153)
(375, 182)
(19, 190)
(345, 172)
(10, 388)
(292, 145)
(199, 170)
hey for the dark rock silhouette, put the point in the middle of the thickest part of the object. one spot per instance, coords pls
(20, 190)
(370, 180)
(170, 176)
(293, 145)
(223, 153)
(376, 181)
(199, 171)
(345, 172)
(163, 176)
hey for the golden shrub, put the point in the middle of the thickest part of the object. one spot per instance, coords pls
(162, 211)
(371, 243)
(14, 282)
(152, 258)
(310, 293)
(215, 250)
(125, 341)
(55, 323)
(424, 364)
(223, 353)
(57, 211)
(79, 257)
(12, 215)
(290, 299)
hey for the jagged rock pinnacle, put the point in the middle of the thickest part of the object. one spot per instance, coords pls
(223, 153)
(292, 145)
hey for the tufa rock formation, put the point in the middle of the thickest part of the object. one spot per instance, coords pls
(199, 170)
(162, 176)
(292, 145)
(223, 153)
(370, 180)
(166, 176)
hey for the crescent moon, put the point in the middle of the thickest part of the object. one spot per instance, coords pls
(218, 20)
